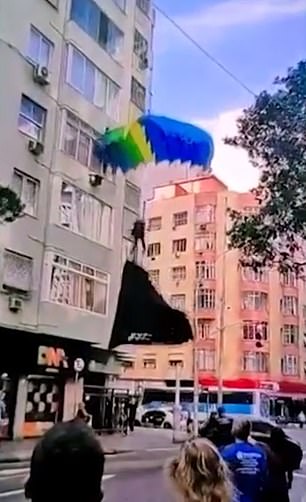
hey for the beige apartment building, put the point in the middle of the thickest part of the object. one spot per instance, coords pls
(249, 326)
(70, 68)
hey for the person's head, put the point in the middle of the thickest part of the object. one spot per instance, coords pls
(67, 466)
(221, 411)
(242, 430)
(200, 474)
(277, 437)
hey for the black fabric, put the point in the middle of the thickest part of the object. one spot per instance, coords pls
(143, 316)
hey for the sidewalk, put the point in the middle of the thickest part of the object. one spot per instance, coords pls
(140, 439)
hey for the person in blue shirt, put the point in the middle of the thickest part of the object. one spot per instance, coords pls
(248, 463)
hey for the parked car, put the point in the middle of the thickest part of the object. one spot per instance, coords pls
(156, 417)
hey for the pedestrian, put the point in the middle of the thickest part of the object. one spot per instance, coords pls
(199, 474)
(210, 428)
(224, 428)
(280, 467)
(301, 419)
(248, 463)
(82, 414)
(67, 465)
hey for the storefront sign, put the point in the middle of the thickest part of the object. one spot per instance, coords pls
(52, 357)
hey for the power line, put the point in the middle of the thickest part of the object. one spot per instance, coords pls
(205, 52)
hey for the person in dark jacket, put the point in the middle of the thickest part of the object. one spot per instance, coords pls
(67, 465)
(210, 428)
(280, 468)
(225, 425)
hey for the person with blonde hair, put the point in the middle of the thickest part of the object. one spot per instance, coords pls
(199, 473)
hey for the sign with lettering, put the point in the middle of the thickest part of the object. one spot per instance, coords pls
(139, 337)
(52, 357)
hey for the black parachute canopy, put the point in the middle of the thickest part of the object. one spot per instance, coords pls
(143, 316)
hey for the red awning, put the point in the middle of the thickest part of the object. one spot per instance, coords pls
(248, 383)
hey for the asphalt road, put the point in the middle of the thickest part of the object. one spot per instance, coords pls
(138, 476)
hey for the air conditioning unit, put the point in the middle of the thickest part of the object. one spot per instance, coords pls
(35, 147)
(174, 227)
(177, 254)
(15, 304)
(41, 75)
(177, 283)
(95, 179)
(202, 227)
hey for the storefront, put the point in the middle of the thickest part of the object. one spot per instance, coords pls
(38, 381)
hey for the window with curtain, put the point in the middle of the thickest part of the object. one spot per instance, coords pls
(77, 285)
(84, 214)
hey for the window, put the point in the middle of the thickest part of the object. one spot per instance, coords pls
(138, 94)
(94, 85)
(154, 224)
(249, 274)
(178, 302)
(290, 365)
(140, 44)
(27, 189)
(205, 214)
(77, 285)
(206, 298)
(40, 48)
(32, 119)
(132, 196)
(84, 214)
(154, 277)
(207, 360)
(149, 363)
(255, 330)
(289, 305)
(79, 141)
(154, 249)
(178, 273)
(204, 329)
(97, 25)
(180, 219)
(17, 271)
(256, 362)
(205, 270)
(205, 243)
(289, 279)
(176, 361)
(179, 246)
(254, 300)
(290, 334)
(144, 6)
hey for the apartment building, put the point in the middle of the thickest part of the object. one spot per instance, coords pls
(71, 68)
(250, 326)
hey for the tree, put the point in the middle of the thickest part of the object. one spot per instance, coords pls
(11, 207)
(273, 132)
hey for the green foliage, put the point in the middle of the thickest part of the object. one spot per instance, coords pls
(11, 207)
(273, 132)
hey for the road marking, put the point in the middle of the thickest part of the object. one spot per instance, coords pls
(299, 475)
(12, 472)
(11, 493)
(20, 491)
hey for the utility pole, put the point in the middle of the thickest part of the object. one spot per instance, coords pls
(222, 313)
(195, 366)
(177, 405)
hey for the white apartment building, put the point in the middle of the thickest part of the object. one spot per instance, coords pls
(70, 68)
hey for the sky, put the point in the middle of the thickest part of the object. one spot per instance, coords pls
(255, 39)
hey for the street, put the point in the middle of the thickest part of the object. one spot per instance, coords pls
(139, 475)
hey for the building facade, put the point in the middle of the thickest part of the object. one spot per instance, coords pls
(72, 69)
(250, 326)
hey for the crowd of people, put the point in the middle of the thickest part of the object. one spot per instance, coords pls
(225, 466)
